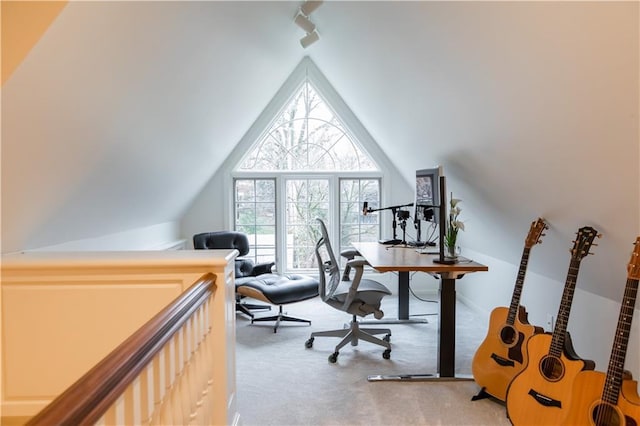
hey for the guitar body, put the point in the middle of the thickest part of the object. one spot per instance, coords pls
(611, 398)
(539, 396)
(588, 408)
(503, 353)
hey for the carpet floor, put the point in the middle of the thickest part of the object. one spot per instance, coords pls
(281, 382)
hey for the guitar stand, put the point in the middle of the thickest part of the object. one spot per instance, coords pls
(481, 395)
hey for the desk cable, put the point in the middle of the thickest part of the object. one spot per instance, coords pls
(422, 300)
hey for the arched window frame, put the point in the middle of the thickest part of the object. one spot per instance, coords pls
(306, 69)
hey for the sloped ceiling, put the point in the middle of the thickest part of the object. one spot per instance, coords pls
(124, 109)
(122, 112)
(531, 107)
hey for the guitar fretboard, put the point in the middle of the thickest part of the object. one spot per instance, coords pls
(613, 382)
(517, 290)
(559, 332)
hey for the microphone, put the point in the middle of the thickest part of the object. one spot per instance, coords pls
(365, 206)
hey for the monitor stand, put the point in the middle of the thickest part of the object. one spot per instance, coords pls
(442, 259)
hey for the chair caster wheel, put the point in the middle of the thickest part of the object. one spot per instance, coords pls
(387, 338)
(309, 343)
(386, 354)
(333, 357)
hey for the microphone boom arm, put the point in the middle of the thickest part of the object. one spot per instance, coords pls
(366, 209)
(370, 210)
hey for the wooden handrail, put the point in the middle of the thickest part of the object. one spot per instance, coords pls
(89, 397)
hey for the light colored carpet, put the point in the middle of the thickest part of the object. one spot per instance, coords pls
(280, 382)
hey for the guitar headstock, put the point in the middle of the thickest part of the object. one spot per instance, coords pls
(583, 242)
(535, 233)
(633, 269)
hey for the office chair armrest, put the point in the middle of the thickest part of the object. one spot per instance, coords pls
(262, 268)
(349, 253)
(358, 265)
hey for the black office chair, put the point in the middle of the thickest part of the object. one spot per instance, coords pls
(245, 269)
(257, 281)
(357, 296)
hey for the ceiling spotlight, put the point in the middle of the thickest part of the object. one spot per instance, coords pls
(310, 6)
(304, 23)
(309, 39)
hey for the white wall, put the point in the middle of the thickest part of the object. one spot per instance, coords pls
(531, 107)
(156, 237)
(212, 210)
(105, 131)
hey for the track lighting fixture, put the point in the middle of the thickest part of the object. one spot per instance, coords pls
(304, 23)
(309, 39)
(302, 20)
(309, 6)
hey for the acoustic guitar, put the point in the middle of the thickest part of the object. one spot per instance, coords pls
(540, 393)
(611, 399)
(502, 354)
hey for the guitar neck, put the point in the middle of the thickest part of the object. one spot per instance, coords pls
(517, 290)
(560, 330)
(613, 381)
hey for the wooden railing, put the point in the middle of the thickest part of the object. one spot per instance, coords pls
(162, 374)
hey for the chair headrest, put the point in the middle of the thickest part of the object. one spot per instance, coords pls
(222, 240)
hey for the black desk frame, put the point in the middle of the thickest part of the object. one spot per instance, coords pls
(446, 330)
(405, 262)
(403, 304)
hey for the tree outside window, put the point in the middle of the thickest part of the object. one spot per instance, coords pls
(318, 170)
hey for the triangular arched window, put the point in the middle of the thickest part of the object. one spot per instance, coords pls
(307, 136)
(305, 158)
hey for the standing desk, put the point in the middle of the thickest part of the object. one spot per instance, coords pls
(404, 260)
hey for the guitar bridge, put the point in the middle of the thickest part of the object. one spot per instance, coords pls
(545, 400)
(503, 362)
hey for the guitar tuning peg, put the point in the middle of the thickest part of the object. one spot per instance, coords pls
(543, 234)
(599, 235)
(594, 245)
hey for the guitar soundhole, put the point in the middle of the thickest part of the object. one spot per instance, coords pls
(605, 415)
(509, 335)
(552, 368)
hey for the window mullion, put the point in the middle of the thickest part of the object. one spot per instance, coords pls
(281, 230)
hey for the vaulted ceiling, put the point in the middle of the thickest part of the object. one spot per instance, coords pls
(121, 112)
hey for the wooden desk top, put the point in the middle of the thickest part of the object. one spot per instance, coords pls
(385, 258)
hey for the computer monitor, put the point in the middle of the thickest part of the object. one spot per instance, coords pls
(427, 198)
(427, 192)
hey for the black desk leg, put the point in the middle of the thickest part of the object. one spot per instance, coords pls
(447, 328)
(446, 342)
(403, 295)
(403, 305)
